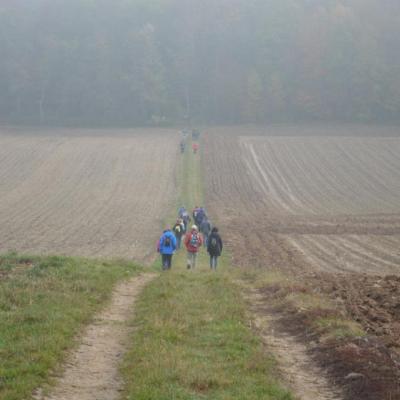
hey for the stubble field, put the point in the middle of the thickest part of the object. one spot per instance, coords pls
(86, 192)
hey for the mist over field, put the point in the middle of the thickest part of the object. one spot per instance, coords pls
(160, 62)
(273, 126)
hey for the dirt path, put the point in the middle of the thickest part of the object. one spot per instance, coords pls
(91, 372)
(301, 374)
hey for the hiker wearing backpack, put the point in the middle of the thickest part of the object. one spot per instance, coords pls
(214, 247)
(182, 145)
(166, 247)
(205, 229)
(193, 242)
(201, 214)
(194, 212)
(186, 220)
(178, 230)
(181, 211)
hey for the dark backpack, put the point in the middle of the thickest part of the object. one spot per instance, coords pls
(194, 240)
(214, 243)
(167, 241)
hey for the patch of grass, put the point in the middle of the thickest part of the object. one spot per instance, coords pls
(42, 307)
(259, 278)
(320, 314)
(192, 339)
(192, 342)
(338, 328)
(308, 301)
(192, 191)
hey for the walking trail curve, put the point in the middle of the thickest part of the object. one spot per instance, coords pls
(91, 372)
(301, 374)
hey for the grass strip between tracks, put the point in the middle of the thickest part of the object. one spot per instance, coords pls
(44, 301)
(192, 338)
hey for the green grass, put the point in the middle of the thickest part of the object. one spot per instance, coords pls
(338, 328)
(192, 338)
(192, 342)
(191, 183)
(44, 301)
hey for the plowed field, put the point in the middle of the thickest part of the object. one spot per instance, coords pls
(326, 203)
(88, 193)
(325, 210)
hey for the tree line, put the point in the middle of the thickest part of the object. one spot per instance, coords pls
(139, 62)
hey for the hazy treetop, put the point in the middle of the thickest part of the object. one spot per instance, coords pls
(141, 62)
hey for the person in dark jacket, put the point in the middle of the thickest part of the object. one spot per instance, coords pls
(205, 229)
(179, 230)
(166, 247)
(186, 220)
(200, 215)
(214, 247)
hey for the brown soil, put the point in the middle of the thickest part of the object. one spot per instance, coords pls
(324, 210)
(373, 301)
(304, 377)
(326, 203)
(84, 192)
(364, 368)
(91, 372)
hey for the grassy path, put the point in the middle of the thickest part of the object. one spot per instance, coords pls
(91, 371)
(192, 339)
(44, 302)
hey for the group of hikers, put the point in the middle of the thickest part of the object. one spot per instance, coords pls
(201, 233)
(195, 137)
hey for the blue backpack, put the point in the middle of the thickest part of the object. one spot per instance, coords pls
(194, 240)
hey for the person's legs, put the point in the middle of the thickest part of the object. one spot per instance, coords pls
(178, 242)
(164, 261)
(189, 260)
(169, 260)
(213, 262)
(194, 258)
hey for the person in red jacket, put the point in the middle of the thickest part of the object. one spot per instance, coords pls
(195, 147)
(193, 242)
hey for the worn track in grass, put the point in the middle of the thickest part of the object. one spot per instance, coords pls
(91, 371)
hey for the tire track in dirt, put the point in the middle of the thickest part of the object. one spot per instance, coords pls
(298, 371)
(91, 371)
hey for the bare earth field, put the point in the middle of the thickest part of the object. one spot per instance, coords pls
(322, 205)
(85, 192)
(332, 203)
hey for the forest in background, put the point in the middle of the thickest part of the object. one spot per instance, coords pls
(161, 62)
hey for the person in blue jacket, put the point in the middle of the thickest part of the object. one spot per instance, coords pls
(166, 247)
